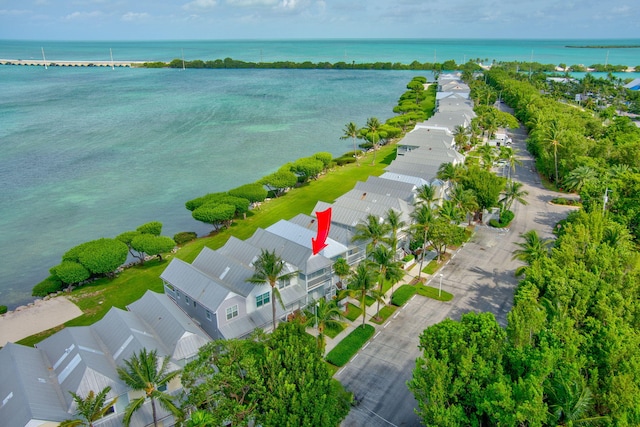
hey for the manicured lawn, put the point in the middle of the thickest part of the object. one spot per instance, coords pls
(431, 292)
(353, 312)
(384, 313)
(402, 295)
(434, 265)
(350, 345)
(333, 331)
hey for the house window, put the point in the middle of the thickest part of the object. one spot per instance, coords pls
(178, 294)
(262, 299)
(194, 304)
(186, 300)
(232, 312)
(283, 283)
(208, 315)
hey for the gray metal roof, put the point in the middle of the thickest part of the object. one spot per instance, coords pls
(299, 257)
(417, 181)
(81, 362)
(27, 389)
(302, 236)
(172, 326)
(194, 283)
(225, 270)
(240, 250)
(377, 207)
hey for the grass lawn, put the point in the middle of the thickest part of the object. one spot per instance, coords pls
(350, 345)
(384, 314)
(431, 292)
(352, 312)
(332, 331)
(434, 265)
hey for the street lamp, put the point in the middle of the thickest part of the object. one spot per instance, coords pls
(440, 290)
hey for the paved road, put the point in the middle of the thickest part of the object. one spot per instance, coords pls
(480, 275)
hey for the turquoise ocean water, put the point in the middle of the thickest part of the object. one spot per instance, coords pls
(91, 152)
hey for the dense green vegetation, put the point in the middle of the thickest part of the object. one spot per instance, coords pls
(569, 354)
(350, 345)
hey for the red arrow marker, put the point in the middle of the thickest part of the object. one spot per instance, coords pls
(324, 223)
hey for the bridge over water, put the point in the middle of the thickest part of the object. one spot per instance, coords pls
(61, 63)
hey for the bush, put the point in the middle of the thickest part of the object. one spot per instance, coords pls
(50, 285)
(341, 161)
(402, 295)
(3, 309)
(350, 345)
(408, 258)
(253, 192)
(505, 219)
(184, 237)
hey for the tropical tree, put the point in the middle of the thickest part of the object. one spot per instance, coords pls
(90, 408)
(426, 194)
(513, 193)
(372, 229)
(390, 270)
(553, 134)
(423, 218)
(147, 372)
(373, 133)
(269, 268)
(449, 172)
(341, 268)
(201, 418)
(361, 283)
(465, 200)
(461, 136)
(577, 178)
(450, 211)
(351, 131)
(325, 314)
(531, 249)
(510, 155)
(396, 224)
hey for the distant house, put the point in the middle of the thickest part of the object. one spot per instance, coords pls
(35, 382)
(633, 85)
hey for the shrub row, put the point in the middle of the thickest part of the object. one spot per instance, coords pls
(350, 345)
(505, 219)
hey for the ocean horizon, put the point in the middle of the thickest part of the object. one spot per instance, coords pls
(92, 152)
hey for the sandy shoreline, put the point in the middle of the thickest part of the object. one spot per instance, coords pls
(35, 318)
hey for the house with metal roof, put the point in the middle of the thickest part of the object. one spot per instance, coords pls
(388, 187)
(35, 382)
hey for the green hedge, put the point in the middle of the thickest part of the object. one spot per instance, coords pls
(505, 219)
(3, 309)
(402, 295)
(350, 345)
(184, 237)
(50, 285)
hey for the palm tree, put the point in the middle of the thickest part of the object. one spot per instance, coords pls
(351, 131)
(325, 314)
(373, 135)
(147, 373)
(450, 211)
(513, 193)
(388, 268)
(577, 178)
(372, 229)
(423, 217)
(90, 408)
(465, 200)
(460, 136)
(449, 172)
(341, 268)
(426, 194)
(531, 249)
(553, 134)
(509, 154)
(269, 268)
(361, 284)
(395, 223)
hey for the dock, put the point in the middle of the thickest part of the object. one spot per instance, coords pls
(59, 63)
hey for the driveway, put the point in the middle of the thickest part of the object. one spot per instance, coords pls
(481, 277)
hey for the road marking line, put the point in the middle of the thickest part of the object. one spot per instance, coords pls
(366, 345)
(376, 335)
(387, 324)
(355, 357)
(341, 370)
(396, 315)
(412, 298)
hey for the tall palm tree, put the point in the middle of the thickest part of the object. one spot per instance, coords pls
(361, 284)
(351, 131)
(325, 314)
(531, 249)
(373, 135)
(509, 154)
(552, 136)
(450, 172)
(373, 229)
(269, 268)
(91, 408)
(450, 211)
(396, 224)
(341, 268)
(513, 192)
(460, 136)
(388, 268)
(147, 372)
(465, 200)
(423, 217)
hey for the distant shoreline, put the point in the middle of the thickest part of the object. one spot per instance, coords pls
(604, 46)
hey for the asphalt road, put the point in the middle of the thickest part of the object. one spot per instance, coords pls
(481, 277)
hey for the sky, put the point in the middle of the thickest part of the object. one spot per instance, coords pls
(316, 19)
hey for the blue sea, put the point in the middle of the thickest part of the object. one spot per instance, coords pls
(92, 152)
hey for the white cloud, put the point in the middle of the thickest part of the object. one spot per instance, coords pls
(75, 16)
(12, 12)
(134, 16)
(252, 3)
(200, 5)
